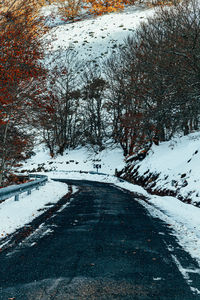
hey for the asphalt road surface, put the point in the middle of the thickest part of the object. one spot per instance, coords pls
(100, 244)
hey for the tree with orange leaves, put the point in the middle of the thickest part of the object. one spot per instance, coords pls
(100, 7)
(72, 8)
(19, 55)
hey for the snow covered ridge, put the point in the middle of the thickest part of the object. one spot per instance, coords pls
(171, 169)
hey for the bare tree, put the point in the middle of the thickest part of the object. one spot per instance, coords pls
(59, 114)
(93, 94)
(154, 78)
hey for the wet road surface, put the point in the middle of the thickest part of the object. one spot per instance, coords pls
(102, 244)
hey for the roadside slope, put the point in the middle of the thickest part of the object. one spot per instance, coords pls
(170, 169)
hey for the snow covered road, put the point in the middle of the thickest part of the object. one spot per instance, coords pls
(103, 245)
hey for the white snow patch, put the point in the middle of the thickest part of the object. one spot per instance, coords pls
(195, 290)
(185, 272)
(15, 214)
(186, 231)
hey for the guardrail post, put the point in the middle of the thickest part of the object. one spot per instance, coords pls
(29, 192)
(17, 197)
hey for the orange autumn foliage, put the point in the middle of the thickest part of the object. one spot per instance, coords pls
(72, 8)
(100, 7)
(19, 67)
(19, 53)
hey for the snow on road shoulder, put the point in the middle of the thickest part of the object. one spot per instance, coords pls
(99, 177)
(15, 214)
(184, 220)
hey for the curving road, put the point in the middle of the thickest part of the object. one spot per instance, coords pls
(101, 245)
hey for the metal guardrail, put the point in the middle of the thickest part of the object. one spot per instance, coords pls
(16, 190)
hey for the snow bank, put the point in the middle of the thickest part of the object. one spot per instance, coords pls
(15, 214)
(172, 166)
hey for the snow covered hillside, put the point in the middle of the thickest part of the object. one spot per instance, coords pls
(97, 37)
(80, 159)
(172, 168)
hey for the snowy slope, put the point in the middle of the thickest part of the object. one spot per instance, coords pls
(172, 167)
(96, 37)
(80, 159)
